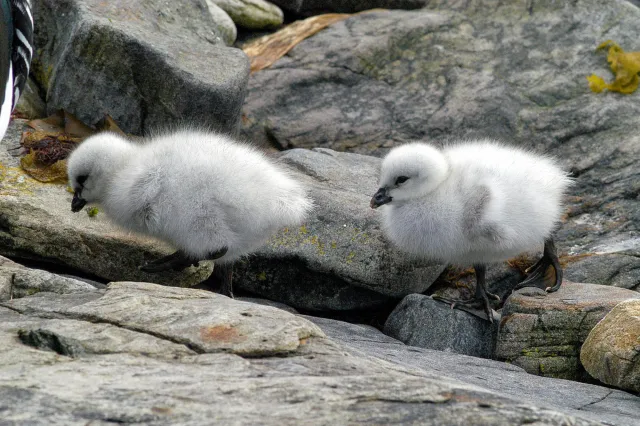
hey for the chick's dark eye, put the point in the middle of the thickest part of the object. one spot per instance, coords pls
(401, 179)
(82, 179)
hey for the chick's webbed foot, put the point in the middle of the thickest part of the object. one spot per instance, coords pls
(176, 261)
(546, 274)
(480, 301)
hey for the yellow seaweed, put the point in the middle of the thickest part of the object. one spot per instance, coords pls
(624, 65)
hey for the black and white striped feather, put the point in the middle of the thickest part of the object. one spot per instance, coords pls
(22, 49)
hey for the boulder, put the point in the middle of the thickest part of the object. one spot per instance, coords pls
(466, 69)
(421, 321)
(615, 269)
(596, 403)
(17, 281)
(611, 352)
(148, 64)
(252, 14)
(543, 332)
(142, 353)
(226, 26)
(314, 7)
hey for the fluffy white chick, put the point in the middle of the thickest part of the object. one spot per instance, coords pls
(209, 196)
(475, 203)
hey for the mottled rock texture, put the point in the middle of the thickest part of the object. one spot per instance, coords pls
(543, 333)
(148, 64)
(421, 321)
(141, 353)
(611, 352)
(597, 403)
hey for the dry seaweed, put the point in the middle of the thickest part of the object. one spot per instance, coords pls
(625, 66)
(52, 139)
(268, 49)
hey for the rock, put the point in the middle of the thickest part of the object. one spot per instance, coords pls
(463, 69)
(140, 367)
(148, 64)
(611, 352)
(268, 302)
(30, 105)
(616, 269)
(596, 403)
(421, 321)
(315, 7)
(543, 333)
(252, 14)
(226, 26)
(339, 259)
(16, 282)
(203, 321)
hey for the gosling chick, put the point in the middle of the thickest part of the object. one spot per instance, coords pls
(209, 196)
(474, 203)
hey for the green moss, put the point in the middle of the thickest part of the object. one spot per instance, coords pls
(92, 211)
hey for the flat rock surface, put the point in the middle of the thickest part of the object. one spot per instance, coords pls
(543, 332)
(144, 364)
(148, 64)
(597, 403)
(611, 352)
(201, 320)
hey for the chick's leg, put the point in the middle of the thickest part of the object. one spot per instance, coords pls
(481, 299)
(221, 280)
(546, 274)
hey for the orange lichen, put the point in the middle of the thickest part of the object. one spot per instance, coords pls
(625, 66)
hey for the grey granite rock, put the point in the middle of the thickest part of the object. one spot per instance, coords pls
(472, 69)
(17, 282)
(125, 375)
(201, 320)
(616, 269)
(597, 403)
(421, 321)
(543, 332)
(148, 64)
(339, 259)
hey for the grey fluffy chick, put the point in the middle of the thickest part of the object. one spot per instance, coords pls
(209, 196)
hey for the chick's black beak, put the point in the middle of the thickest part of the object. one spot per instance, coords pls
(380, 198)
(77, 203)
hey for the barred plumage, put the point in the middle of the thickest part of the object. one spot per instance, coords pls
(22, 51)
(16, 51)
